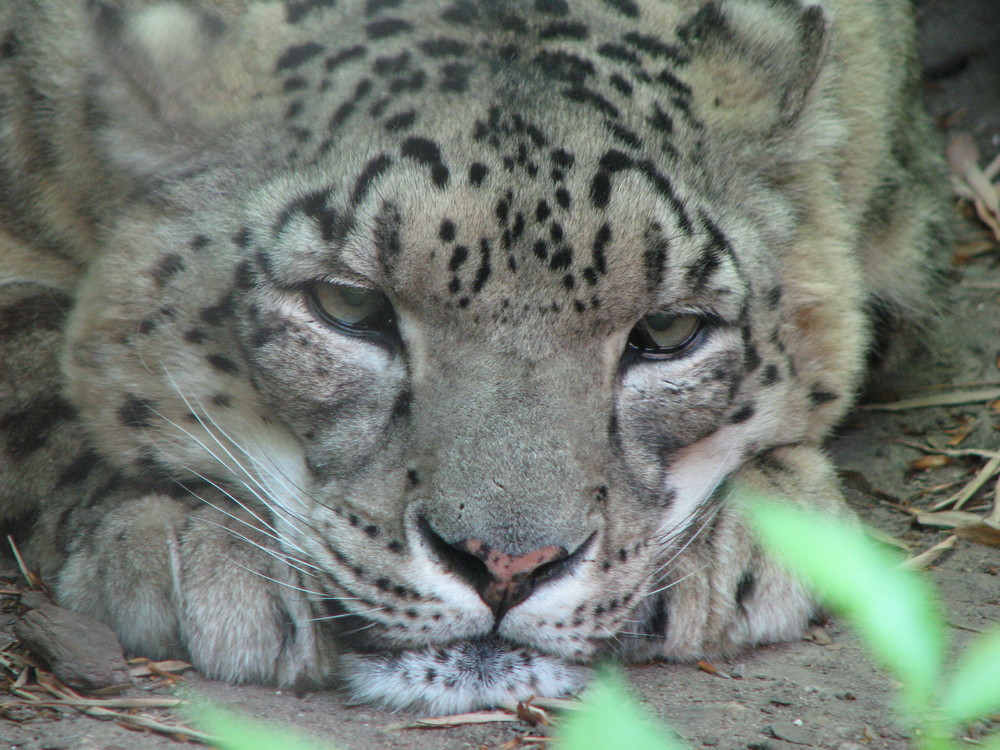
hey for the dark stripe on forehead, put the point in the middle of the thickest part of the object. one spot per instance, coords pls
(614, 161)
(656, 253)
(374, 169)
(388, 245)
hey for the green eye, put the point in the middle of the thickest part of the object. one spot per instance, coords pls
(662, 335)
(352, 309)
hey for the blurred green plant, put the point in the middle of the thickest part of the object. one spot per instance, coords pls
(234, 732)
(896, 612)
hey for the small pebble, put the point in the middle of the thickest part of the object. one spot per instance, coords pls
(789, 732)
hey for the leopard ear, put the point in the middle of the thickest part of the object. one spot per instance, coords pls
(168, 82)
(753, 65)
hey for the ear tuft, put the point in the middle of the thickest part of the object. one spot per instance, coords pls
(164, 84)
(754, 64)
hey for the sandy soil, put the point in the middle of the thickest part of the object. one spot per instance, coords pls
(823, 692)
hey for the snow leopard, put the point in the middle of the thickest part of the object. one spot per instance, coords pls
(426, 348)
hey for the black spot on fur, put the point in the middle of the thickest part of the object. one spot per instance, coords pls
(623, 86)
(477, 173)
(215, 315)
(583, 95)
(374, 7)
(26, 430)
(552, 7)
(42, 312)
(600, 190)
(564, 30)
(447, 231)
(742, 414)
(561, 258)
(8, 47)
(458, 256)
(770, 464)
(654, 47)
(351, 53)
(296, 11)
(563, 66)
(770, 376)
(745, 587)
(426, 152)
(195, 336)
(443, 47)
(222, 364)
(387, 27)
(169, 266)
(297, 55)
(136, 412)
(400, 121)
(625, 7)
(455, 77)
(374, 169)
(19, 527)
(485, 269)
(820, 397)
(623, 134)
(78, 470)
(462, 12)
(658, 620)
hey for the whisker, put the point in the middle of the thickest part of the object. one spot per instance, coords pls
(674, 583)
(347, 614)
(279, 555)
(292, 586)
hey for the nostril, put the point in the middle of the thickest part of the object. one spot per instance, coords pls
(502, 580)
(465, 565)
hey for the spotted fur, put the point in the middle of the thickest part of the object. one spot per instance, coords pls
(473, 501)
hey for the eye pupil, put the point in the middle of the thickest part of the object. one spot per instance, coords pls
(351, 309)
(663, 335)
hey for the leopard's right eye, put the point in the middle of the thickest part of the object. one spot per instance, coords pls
(352, 309)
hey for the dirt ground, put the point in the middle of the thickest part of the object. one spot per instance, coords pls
(824, 691)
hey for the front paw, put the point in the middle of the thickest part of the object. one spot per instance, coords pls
(720, 594)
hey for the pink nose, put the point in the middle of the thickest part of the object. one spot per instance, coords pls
(511, 577)
(502, 580)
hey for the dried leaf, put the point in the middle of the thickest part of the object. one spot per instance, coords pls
(953, 452)
(981, 532)
(114, 702)
(960, 498)
(929, 556)
(961, 432)
(935, 461)
(880, 536)
(963, 157)
(455, 720)
(705, 666)
(966, 252)
(946, 519)
(531, 714)
(954, 398)
(818, 636)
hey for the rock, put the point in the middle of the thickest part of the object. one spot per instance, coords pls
(33, 599)
(785, 730)
(81, 651)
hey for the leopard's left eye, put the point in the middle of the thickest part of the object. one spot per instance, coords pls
(663, 335)
(352, 309)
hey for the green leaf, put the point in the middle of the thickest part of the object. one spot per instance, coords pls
(610, 718)
(894, 610)
(238, 733)
(975, 687)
